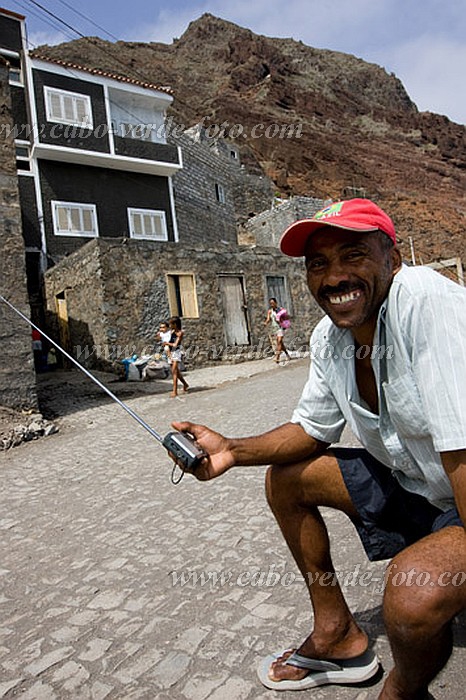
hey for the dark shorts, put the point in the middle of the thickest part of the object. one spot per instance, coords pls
(391, 518)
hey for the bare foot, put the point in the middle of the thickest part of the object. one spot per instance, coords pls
(279, 671)
(173, 395)
(186, 388)
(345, 649)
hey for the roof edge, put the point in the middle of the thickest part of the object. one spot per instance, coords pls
(105, 74)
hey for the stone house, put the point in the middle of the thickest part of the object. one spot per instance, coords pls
(266, 227)
(119, 296)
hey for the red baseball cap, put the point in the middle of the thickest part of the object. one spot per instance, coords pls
(350, 214)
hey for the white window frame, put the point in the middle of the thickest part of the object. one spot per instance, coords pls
(81, 208)
(23, 158)
(156, 215)
(15, 73)
(87, 122)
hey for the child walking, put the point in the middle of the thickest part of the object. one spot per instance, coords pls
(176, 353)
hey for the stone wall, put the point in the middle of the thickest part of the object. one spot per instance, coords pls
(116, 295)
(202, 219)
(253, 193)
(267, 227)
(78, 278)
(17, 376)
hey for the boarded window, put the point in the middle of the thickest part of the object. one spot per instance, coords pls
(74, 219)
(149, 224)
(68, 107)
(182, 295)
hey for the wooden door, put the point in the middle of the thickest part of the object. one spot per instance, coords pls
(63, 326)
(234, 311)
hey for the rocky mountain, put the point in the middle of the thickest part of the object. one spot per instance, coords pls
(351, 127)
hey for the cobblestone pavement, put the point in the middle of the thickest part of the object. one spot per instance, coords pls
(96, 540)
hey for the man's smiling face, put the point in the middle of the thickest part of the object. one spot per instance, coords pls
(349, 274)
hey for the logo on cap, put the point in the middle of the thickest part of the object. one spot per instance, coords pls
(328, 212)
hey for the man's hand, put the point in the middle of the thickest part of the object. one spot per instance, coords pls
(219, 459)
(286, 444)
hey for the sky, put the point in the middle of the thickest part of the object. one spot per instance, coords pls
(423, 42)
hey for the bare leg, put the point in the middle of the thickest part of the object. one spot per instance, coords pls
(174, 369)
(183, 380)
(284, 348)
(426, 588)
(278, 348)
(294, 493)
(281, 348)
(177, 375)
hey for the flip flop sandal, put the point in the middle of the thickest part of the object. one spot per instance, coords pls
(321, 671)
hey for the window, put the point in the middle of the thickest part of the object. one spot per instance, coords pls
(22, 157)
(276, 287)
(74, 219)
(220, 193)
(14, 66)
(14, 75)
(148, 224)
(68, 107)
(182, 295)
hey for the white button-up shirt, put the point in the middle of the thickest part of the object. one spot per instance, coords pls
(419, 363)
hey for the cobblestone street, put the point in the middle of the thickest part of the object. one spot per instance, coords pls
(96, 541)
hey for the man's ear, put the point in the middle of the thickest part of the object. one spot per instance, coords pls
(396, 259)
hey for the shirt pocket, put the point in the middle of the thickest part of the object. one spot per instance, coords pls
(404, 407)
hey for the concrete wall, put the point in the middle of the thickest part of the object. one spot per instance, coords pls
(17, 376)
(117, 294)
